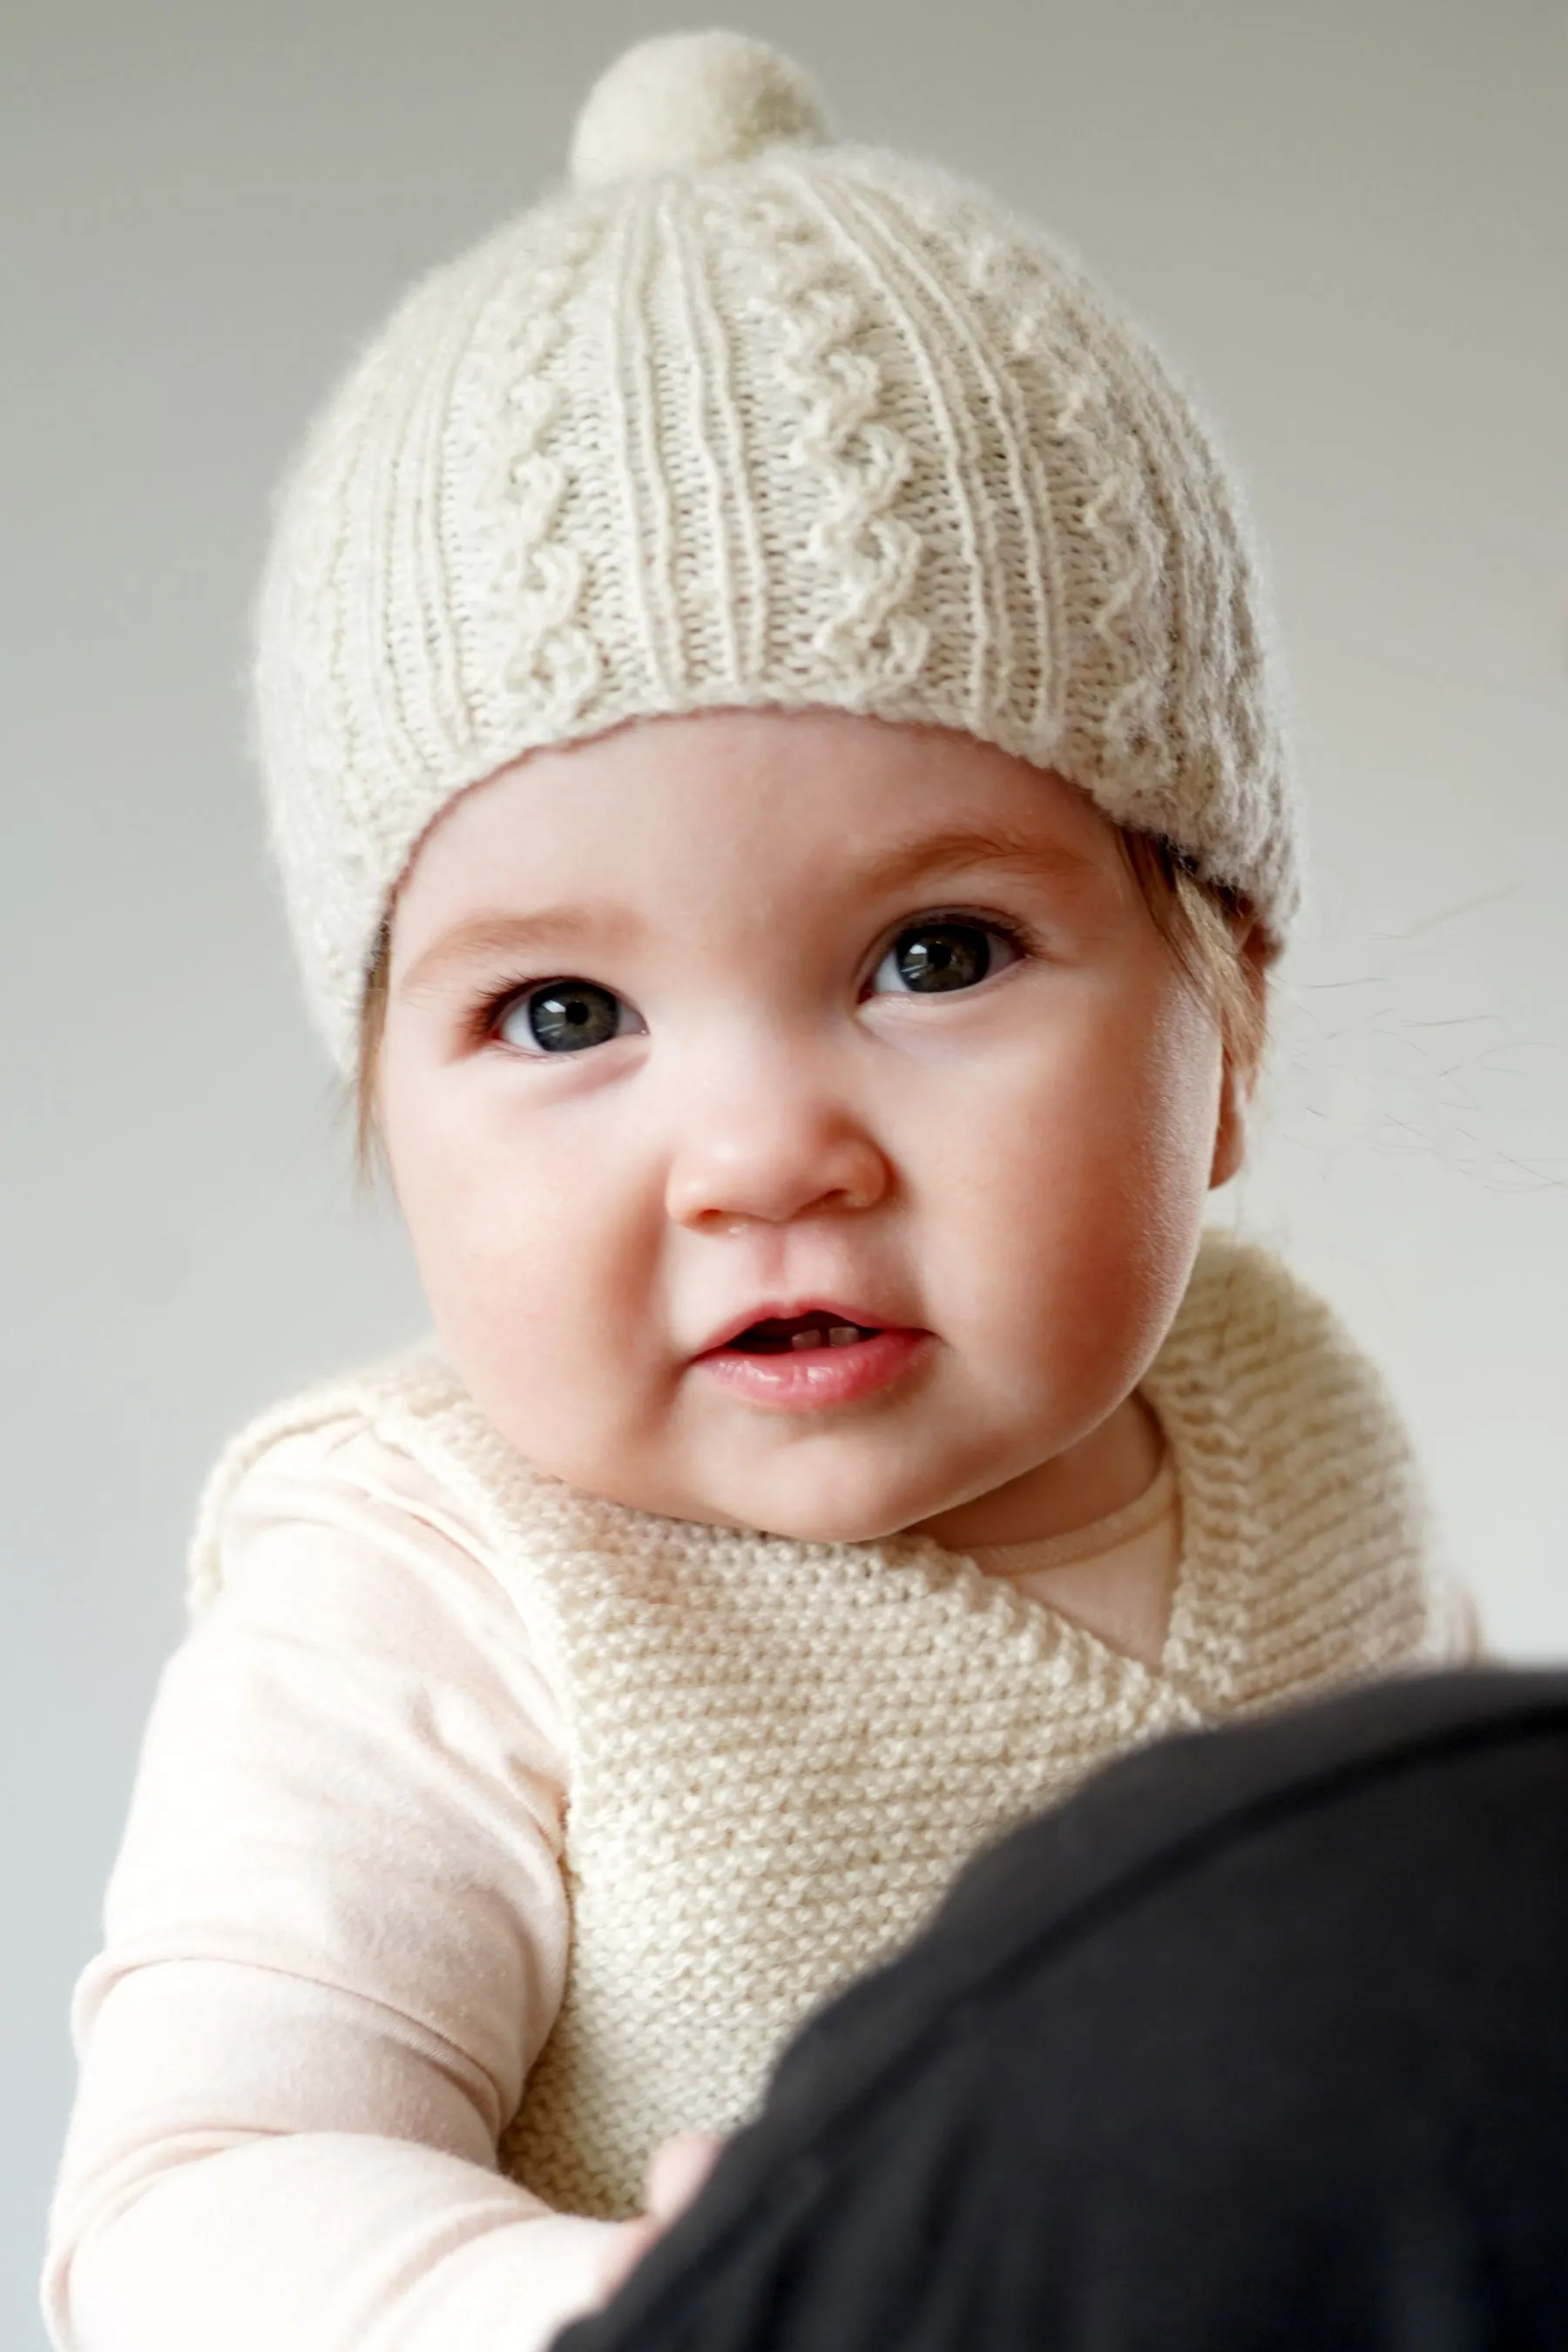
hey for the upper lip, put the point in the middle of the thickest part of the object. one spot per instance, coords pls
(784, 1310)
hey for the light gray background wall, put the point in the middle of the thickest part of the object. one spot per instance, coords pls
(1348, 222)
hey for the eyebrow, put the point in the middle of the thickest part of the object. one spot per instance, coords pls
(498, 936)
(999, 849)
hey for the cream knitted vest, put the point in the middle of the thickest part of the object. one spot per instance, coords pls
(780, 1751)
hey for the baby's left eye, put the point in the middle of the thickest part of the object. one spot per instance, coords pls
(940, 955)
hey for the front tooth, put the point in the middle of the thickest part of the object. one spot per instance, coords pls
(808, 1339)
(842, 1335)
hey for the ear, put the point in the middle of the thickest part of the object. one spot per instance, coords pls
(1230, 1129)
(1244, 1028)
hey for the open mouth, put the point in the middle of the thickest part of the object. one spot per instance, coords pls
(818, 1357)
(779, 1336)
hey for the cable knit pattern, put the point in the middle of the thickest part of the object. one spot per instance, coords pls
(854, 458)
(752, 420)
(780, 1751)
(530, 589)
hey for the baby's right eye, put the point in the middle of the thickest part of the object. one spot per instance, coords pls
(563, 1016)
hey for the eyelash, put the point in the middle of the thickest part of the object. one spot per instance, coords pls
(498, 998)
(1023, 941)
(492, 1008)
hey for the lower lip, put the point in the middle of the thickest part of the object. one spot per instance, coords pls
(807, 1380)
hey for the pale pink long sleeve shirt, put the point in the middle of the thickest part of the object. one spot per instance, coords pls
(336, 1936)
(335, 1940)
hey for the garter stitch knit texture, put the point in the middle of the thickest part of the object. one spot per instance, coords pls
(781, 1751)
(743, 418)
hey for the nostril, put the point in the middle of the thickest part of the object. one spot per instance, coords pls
(738, 1175)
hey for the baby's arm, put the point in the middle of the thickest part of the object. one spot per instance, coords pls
(336, 1937)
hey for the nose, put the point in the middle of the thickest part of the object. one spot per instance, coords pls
(768, 1139)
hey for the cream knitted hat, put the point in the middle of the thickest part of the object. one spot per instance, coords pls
(745, 418)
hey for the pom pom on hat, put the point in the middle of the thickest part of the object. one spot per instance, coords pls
(687, 101)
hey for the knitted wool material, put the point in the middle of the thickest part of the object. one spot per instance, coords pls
(745, 419)
(781, 1751)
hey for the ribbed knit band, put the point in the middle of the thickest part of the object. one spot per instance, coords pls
(765, 423)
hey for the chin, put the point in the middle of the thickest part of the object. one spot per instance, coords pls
(833, 1520)
(849, 1508)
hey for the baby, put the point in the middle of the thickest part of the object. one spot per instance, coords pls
(773, 762)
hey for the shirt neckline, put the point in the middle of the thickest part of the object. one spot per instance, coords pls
(1119, 1527)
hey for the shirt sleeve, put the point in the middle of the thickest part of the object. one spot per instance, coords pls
(335, 1940)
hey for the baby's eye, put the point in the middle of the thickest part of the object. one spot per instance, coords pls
(941, 954)
(562, 1016)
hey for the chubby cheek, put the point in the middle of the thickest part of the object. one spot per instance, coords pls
(537, 1278)
(1086, 1199)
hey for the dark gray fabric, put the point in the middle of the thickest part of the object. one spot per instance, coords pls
(1261, 2041)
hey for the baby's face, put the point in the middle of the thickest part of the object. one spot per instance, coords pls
(800, 1122)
